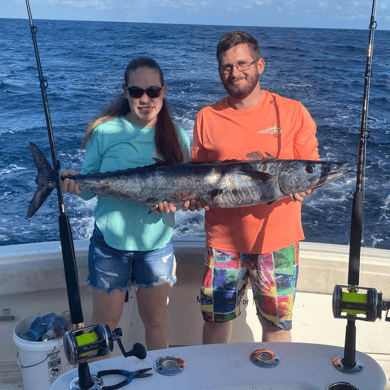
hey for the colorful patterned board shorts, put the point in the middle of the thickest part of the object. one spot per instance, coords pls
(273, 277)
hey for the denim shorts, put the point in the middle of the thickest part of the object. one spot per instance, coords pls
(111, 269)
(273, 277)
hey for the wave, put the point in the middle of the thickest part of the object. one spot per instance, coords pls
(12, 168)
(84, 64)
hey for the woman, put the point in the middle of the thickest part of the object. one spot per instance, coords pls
(129, 247)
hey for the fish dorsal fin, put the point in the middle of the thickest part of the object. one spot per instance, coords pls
(256, 155)
(233, 161)
(220, 162)
(270, 157)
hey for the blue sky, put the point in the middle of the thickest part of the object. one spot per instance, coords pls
(280, 13)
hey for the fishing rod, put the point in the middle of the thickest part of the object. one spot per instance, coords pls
(358, 201)
(353, 302)
(82, 343)
(68, 253)
(65, 231)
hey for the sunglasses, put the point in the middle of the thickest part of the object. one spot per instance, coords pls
(152, 92)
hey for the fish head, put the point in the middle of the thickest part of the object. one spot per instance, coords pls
(303, 175)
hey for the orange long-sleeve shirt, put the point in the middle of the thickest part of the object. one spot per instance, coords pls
(276, 125)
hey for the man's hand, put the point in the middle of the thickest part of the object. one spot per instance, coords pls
(299, 196)
(193, 205)
(70, 185)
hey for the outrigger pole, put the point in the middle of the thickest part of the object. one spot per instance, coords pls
(354, 302)
(357, 218)
(68, 253)
(358, 207)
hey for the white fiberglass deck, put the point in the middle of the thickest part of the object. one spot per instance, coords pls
(228, 366)
(32, 283)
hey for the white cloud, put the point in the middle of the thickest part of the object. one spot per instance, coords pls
(314, 7)
(187, 6)
(172, 3)
(75, 3)
(314, 13)
(93, 4)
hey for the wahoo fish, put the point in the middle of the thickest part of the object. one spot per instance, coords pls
(233, 183)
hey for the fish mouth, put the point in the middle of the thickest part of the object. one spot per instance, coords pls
(334, 172)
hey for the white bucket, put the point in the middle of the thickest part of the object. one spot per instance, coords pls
(41, 362)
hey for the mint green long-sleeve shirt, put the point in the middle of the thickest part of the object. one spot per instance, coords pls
(119, 144)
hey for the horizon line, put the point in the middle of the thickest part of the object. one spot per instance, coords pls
(195, 24)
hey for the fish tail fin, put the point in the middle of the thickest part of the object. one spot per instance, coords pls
(45, 180)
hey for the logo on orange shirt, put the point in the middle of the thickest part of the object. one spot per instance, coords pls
(273, 130)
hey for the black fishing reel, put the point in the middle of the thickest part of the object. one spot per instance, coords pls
(94, 341)
(359, 303)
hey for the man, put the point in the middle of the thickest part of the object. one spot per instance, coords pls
(259, 242)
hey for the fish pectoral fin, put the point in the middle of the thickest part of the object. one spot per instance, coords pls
(256, 175)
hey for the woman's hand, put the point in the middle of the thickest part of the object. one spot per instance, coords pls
(69, 185)
(165, 207)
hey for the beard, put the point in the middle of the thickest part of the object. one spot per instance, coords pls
(241, 91)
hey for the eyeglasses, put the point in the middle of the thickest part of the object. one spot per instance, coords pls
(152, 92)
(241, 66)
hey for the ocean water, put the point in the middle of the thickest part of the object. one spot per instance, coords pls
(84, 64)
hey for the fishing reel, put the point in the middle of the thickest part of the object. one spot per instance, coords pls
(86, 343)
(359, 303)
(94, 341)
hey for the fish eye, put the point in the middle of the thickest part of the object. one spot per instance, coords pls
(309, 169)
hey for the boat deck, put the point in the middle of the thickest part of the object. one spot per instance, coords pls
(32, 284)
(11, 377)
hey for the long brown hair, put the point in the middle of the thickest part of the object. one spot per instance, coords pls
(166, 136)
